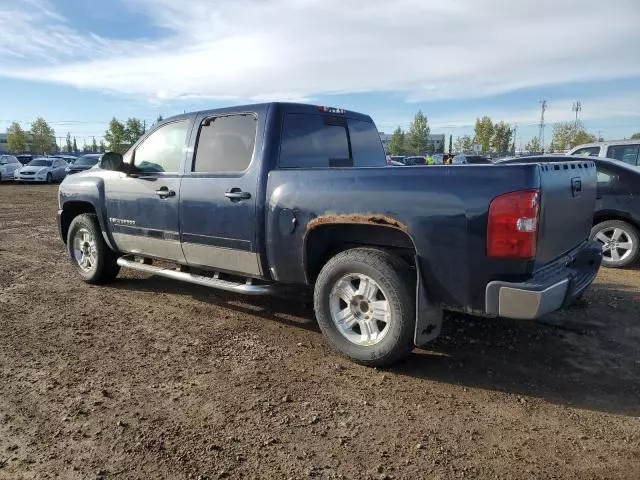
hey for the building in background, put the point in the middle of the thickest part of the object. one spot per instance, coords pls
(4, 146)
(436, 142)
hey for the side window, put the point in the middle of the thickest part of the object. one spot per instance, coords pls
(588, 152)
(314, 141)
(3, 160)
(163, 150)
(225, 144)
(624, 153)
(606, 178)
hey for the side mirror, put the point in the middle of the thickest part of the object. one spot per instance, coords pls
(111, 161)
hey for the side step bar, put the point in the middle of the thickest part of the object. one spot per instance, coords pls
(247, 288)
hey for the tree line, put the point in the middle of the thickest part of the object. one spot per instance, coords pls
(40, 139)
(493, 137)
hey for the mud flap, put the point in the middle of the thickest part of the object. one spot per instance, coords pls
(428, 315)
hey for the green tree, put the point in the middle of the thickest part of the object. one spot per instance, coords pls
(133, 130)
(69, 145)
(115, 136)
(397, 143)
(463, 144)
(42, 136)
(635, 136)
(102, 147)
(75, 145)
(94, 145)
(567, 135)
(16, 138)
(533, 146)
(484, 133)
(501, 139)
(418, 134)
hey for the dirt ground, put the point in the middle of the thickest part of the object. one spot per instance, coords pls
(149, 378)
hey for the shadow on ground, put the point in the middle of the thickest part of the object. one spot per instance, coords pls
(587, 356)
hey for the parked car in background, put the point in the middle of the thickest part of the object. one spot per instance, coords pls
(42, 170)
(24, 159)
(412, 161)
(397, 158)
(464, 159)
(8, 165)
(616, 218)
(627, 151)
(85, 162)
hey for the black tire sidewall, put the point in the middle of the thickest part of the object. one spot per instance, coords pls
(49, 178)
(630, 230)
(392, 277)
(102, 269)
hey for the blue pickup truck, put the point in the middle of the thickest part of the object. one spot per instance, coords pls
(250, 198)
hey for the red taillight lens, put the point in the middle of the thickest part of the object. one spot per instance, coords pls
(512, 228)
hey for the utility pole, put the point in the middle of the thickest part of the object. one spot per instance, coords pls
(577, 108)
(543, 108)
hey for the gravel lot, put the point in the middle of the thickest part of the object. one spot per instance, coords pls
(149, 378)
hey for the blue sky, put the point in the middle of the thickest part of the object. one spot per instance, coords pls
(77, 63)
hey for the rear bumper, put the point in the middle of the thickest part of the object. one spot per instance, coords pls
(550, 289)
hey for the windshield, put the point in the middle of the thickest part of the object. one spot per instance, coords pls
(39, 162)
(86, 160)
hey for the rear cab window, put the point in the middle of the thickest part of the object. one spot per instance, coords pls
(326, 141)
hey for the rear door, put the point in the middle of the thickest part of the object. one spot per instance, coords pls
(219, 195)
(142, 207)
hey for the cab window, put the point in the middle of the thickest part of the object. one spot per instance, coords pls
(624, 153)
(163, 150)
(587, 152)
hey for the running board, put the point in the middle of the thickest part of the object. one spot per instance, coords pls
(247, 288)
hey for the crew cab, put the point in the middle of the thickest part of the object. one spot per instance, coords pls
(251, 198)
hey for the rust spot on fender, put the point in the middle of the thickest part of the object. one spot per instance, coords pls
(360, 219)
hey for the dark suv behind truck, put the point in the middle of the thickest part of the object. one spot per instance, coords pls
(252, 197)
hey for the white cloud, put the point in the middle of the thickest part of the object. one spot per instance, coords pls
(295, 49)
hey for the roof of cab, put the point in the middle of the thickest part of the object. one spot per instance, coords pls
(283, 107)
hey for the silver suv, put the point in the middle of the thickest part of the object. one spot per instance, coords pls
(627, 151)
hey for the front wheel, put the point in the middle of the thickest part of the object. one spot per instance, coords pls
(365, 305)
(94, 260)
(620, 243)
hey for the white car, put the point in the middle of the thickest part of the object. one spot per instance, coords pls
(42, 170)
(627, 151)
(8, 165)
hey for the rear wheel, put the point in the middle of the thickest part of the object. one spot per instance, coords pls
(365, 306)
(92, 257)
(620, 243)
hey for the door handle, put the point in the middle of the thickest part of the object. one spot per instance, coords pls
(164, 192)
(237, 194)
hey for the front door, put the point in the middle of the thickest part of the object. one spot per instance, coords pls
(218, 196)
(142, 207)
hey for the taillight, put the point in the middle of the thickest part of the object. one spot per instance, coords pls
(512, 228)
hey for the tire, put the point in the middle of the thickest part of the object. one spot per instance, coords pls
(353, 332)
(623, 237)
(92, 257)
(49, 179)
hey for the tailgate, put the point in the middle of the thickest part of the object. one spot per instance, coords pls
(568, 195)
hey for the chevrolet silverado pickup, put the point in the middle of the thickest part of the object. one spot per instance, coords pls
(251, 198)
